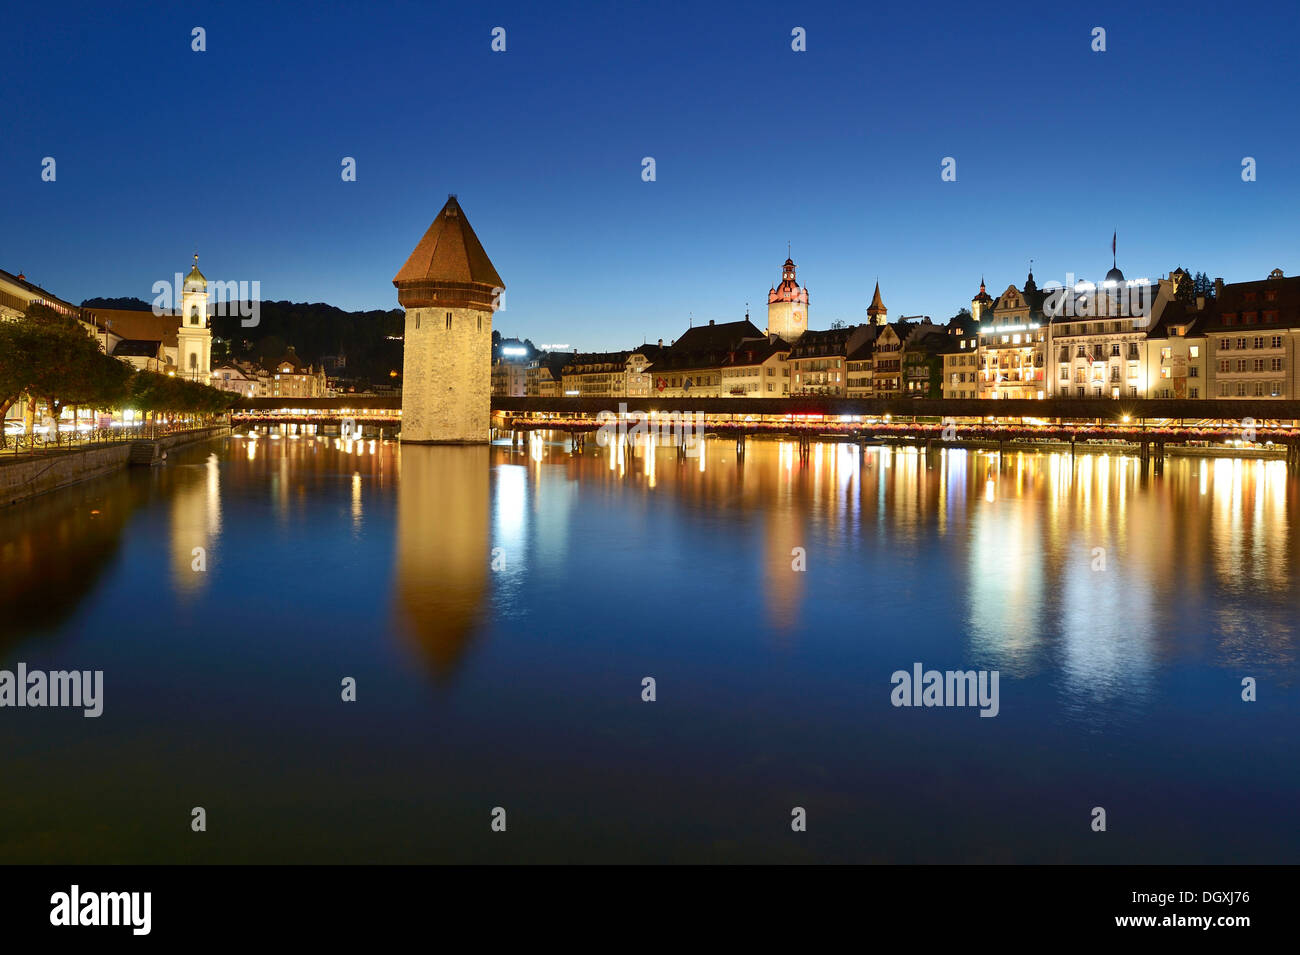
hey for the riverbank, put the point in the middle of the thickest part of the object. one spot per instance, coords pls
(29, 477)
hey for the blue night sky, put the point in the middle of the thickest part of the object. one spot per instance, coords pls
(237, 151)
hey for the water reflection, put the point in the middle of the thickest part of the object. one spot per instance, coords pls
(195, 521)
(441, 574)
(1085, 566)
(514, 598)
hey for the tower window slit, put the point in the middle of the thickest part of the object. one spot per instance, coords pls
(449, 321)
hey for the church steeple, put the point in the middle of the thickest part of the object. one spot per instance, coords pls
(195, 278)
(194, 336)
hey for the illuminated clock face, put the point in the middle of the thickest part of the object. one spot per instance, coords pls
(798, 317)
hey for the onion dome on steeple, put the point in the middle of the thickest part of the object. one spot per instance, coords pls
(195, 279)
(1114, 275)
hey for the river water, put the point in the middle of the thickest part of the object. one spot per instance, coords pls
(499, 610)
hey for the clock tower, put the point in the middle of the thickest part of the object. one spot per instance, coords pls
(787, 306)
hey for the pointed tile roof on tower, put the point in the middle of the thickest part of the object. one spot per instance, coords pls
(449, 252)
(877, 306)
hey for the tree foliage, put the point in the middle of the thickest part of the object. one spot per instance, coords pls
(50, 357)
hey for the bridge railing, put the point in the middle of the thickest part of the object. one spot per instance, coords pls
(67, 438)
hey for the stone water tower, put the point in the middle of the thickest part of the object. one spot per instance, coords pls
(449, 290)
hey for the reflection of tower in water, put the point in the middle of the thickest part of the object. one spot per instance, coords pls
(775, 491)
(442, 547)
(195, 522)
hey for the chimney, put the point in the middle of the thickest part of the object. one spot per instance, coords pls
(661, 343)
(710, 321)
(1218, 288)
(1200, 303)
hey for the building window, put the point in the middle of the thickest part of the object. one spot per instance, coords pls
(1194, 351)
(1276, 364)
(449, 321)
(1193, 372)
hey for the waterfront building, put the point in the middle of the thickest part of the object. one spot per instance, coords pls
(17, 295)
(543, 375)
(887, 360)
(1012, 342)
(859, 368)
(143, 355)
(923, 352)
(959, 356)
(960, 369)
(1099, 336)
(819, 359)
(449, 289)
(1253, 332)
(242, 378)
(757, 369)
(596, 375)
(1178, 354)
(691, 367)
(639, 369)
(510, 368)
(290, 378)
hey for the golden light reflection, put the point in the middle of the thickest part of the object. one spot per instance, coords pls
(195, 522)
(443, 533)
